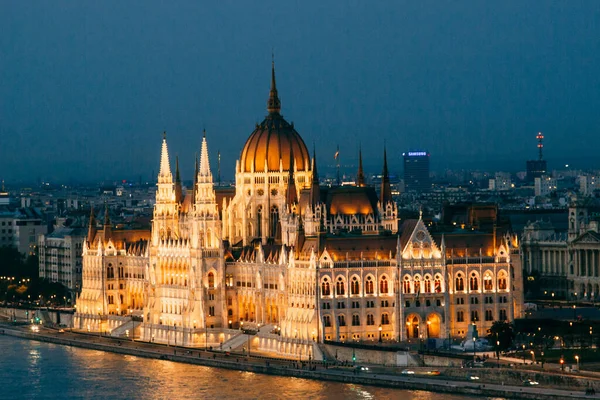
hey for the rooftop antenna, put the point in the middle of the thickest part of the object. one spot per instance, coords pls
(540, 138)
(218, 167)
(337, 158)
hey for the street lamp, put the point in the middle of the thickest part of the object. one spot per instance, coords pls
(380, 328)
(474, 349)
(428, 325)
(562, 363)
(577, 359)
(498, 352)
(230, 324)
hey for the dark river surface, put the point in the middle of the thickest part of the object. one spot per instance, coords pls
(34, 370)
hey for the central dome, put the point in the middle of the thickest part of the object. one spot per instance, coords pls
(274, 140)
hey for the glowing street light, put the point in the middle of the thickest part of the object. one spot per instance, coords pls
(577, 359)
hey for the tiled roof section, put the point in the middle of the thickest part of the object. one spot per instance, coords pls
(463, 244)
(361, 247)
(124, 238)
(351, 200)
(406, 230)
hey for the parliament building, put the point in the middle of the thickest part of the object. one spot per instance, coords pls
(295, 261)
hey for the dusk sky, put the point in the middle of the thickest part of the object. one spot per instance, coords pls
(86, 88)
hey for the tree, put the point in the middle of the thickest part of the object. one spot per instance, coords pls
(502, 332)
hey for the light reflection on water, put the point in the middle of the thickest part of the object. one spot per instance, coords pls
(40, 370)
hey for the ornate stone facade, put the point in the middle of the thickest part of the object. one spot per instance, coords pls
(296, 261)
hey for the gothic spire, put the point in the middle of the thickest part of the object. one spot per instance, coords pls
(315, 189)
(164, 175)
(360, 176)
(273, 104)
(292, 194)
(178, 189)
(92, 226)
(385, 195)
(107, 226)
(204, 171)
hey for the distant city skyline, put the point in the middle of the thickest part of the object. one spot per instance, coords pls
(86, 89)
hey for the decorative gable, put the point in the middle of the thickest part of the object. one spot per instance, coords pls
(421, 244)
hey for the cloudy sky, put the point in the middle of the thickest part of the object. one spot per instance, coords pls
(87, 87)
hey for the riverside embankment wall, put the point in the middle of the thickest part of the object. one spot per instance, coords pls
(326, 375)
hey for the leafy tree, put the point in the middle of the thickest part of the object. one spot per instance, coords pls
(502, 332)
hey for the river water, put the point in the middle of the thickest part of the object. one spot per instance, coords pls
(34, 370)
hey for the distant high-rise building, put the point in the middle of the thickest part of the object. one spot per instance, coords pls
(537, 168)
(416, 171)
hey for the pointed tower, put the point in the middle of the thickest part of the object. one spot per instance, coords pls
(315, 189)
(385, 194)
(291, 195)
(107, 226)
(178, 189)
(273, 104)
(205, 201)
(360, 176)
(92, 227)
(165, 192)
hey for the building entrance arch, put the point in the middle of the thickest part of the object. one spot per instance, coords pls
(412, 326)
(433, 326)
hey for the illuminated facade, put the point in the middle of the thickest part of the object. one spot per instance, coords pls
(300, 262)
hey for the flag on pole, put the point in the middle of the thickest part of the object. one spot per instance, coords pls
(336, 155)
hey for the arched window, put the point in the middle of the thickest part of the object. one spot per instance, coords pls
(341, 320)
(355, 320)
(383, 285)
(369, 285)
(385, 319)
(502, 280)
(340, 288)
(354, 286)
(327, 321)
(370, 319)
(259, 221)
(325, 288)
(427, 284)
(274, 221)
(473, 282)
(437, 284)
(487, 282)
(460, 284)
(406, 285)
(211, 280)
(110, 272)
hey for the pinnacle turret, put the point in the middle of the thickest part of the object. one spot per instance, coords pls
(385, 194)
(164, 174)
(273, 104)
(360, 176)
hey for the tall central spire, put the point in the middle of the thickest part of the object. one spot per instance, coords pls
(385, 195)
(164, 175)
(360, 176)
(273, 104)
(204, 171)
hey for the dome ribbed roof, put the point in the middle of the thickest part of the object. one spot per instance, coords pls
(274, 140)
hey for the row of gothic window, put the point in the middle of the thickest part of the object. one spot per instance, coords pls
(341, 319)
(340, 286)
